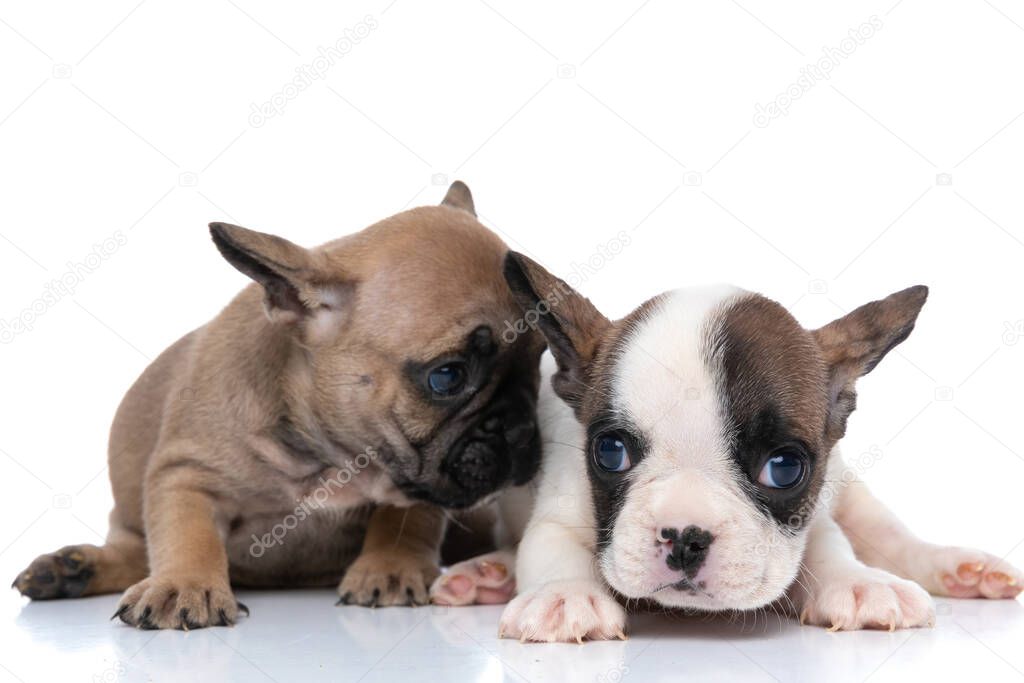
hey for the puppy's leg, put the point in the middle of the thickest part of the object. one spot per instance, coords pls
(836, 590)
(561, 596)
(188, 585)
(880, 539)
(399, 558)
(79, 570)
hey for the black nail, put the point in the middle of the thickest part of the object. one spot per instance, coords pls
(144, 619)
(120, 611)
(242, 608)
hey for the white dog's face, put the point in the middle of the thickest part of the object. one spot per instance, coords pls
(706, 459)
(710, 414)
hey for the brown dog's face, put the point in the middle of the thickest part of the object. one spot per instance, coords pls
(397, 348)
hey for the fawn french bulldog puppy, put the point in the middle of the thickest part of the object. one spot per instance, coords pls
(314, 427)
(687, 463)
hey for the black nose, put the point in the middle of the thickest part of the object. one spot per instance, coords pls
(477, 467)
(689, 548)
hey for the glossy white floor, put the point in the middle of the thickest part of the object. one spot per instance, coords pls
(302, 636)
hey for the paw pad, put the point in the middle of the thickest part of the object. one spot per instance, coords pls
(963, 573)
(484, 580)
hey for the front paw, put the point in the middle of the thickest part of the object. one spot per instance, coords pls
(485, 580)
(564, 611)
(866, 598)
(182, 603)
(388, 578)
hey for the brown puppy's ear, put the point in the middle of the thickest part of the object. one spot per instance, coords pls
(569, 322)
(459, 197)
(854, 344)
(295, 282)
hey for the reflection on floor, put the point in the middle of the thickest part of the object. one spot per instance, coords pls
(301, 635)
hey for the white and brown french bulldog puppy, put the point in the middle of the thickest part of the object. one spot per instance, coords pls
(690, 461)
(312, 429)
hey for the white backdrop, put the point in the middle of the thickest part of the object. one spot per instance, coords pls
(824, 156)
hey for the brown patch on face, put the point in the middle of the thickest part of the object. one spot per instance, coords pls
(769, 359)
(773, 388)
(785, 387)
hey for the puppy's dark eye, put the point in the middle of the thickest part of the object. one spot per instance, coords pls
(784, 470)
(611, 453)
(447, 379)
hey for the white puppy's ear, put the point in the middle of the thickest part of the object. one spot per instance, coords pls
(854, 344)
(570, 323)
(299, 284)
(459, 197)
